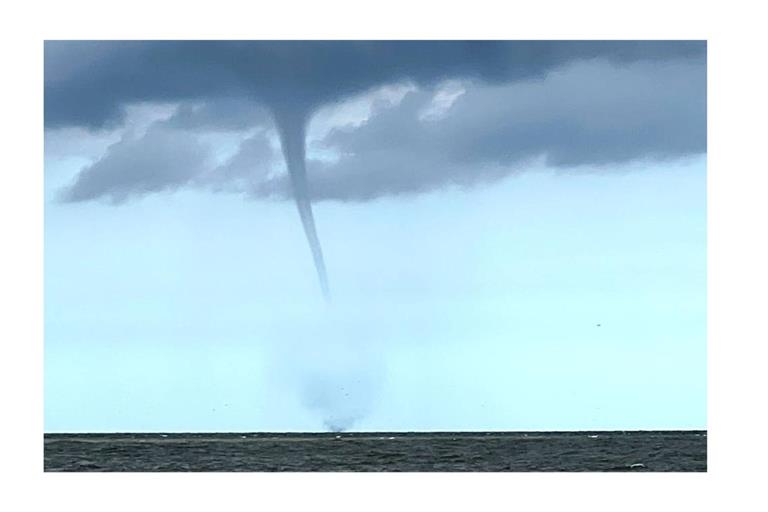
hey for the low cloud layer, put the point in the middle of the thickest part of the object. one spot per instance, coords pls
(162, 159)
(458, 132)
(589, 114)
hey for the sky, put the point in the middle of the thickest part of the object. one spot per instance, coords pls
(514, 235)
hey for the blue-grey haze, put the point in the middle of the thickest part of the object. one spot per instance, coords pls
(515, 234)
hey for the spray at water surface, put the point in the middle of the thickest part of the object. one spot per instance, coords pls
(330, 360)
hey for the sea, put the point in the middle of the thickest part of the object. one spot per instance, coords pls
(677, 451)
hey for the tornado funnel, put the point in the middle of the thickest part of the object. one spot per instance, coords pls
(292, 127)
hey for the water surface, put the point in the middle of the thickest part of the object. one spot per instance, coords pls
(381, 451)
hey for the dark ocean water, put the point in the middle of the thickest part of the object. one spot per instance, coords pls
(444, 451)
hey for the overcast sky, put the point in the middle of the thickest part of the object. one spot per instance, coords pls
(515, 236)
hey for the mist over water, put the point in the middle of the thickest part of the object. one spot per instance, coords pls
(331, 363)
(341, 397)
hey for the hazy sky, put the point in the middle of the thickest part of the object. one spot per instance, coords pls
(515, 236)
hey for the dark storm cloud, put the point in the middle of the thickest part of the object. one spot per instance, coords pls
(166, 158)
(89, 83)
(162, 159)
(572, 103)
(246, 169)
(588, 113)
(226, 114)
